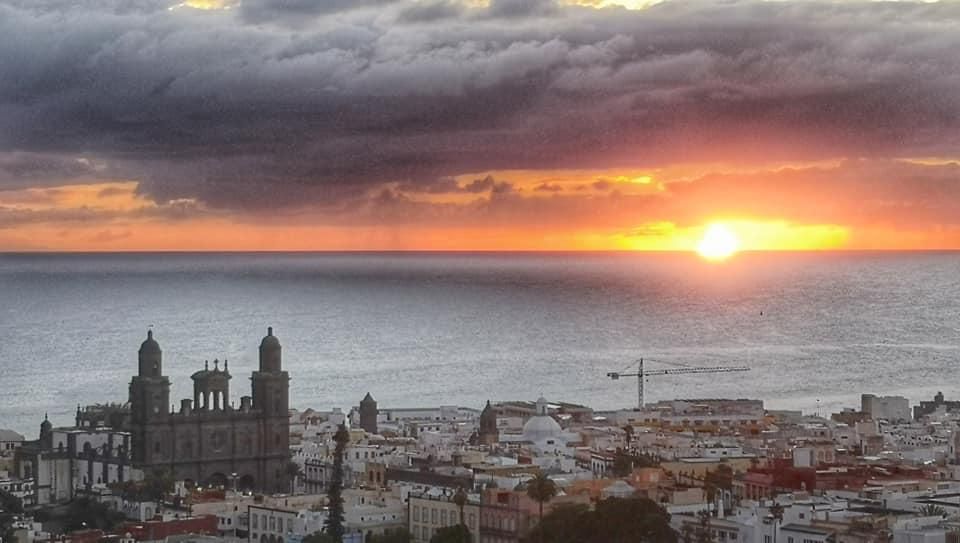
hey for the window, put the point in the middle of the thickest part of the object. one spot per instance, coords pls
(416, 512)
(256, 524)
(443, 517)
(766, 539)
(433, 516)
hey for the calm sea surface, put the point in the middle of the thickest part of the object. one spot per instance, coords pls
(430, 329)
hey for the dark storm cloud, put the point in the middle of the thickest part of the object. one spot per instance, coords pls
(296, 11)
(25, 170)
(449, 185)
(856, 193)
(14, 217)
(339, 97)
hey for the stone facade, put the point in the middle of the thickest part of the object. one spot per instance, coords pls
(209, 441)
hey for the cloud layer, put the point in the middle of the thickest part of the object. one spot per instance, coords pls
(353, 106)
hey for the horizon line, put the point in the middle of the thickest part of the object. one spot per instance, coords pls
(474, 251)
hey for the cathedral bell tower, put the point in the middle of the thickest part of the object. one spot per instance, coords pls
(149, 397)
(271, 384)
(271, 387)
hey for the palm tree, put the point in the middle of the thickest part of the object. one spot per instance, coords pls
(334, 522)
(294, 471)
(541, 489)
(704, 531)
(460, 498)
(776, 511)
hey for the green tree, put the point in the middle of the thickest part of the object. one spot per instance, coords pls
(541, 489)
(460, 499)
(614, 520)
(776, 512)
(10, 507)
(632, 520)
(334, 523)
(458, 533)
(392, 536)
(565, 523)
(704, 531)
(719, 481)
(156, 485)
(294, 471)
(86, 513)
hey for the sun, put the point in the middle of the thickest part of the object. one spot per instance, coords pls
(718, 243)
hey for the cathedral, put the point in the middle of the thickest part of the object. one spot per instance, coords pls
(209, 440)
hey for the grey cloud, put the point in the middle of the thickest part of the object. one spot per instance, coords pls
(516, 8)
(13, 217)
(20, 169)
(300, 11)
(215, 106)
(430, 11)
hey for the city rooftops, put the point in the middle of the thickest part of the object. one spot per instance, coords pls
(804, 529)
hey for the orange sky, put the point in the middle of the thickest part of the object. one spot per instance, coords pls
(776, 207)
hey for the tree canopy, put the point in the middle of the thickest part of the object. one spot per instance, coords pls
(10, 507)
(334, 524)
(392, 536)
(87, 513)
(457, 533)
(614, 520)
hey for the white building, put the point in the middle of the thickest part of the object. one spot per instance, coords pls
(889, 408)
(9, 442)
(542, 434)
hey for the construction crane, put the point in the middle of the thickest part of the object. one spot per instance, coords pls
(642, 374)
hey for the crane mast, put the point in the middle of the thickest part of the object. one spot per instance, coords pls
(642, 374)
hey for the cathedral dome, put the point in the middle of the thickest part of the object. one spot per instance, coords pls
(270, 341)
(150, 345)
(542, 426)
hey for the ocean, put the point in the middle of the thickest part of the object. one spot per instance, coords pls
(419, 329)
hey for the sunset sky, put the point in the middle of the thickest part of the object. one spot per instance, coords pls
(474, 125)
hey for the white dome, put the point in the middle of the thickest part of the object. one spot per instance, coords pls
(540, 428)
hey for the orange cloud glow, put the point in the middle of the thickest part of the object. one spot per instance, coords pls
(550, 210)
